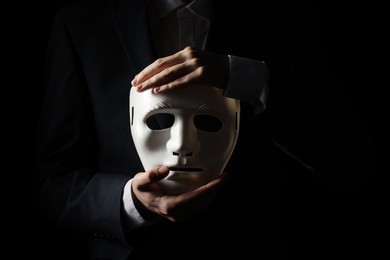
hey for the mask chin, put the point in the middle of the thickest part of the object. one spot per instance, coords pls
(179, 182)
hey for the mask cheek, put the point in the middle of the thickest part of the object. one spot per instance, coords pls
(152, 147)
(152, 140)
(210, 148)
(222, 139)
(213, 152)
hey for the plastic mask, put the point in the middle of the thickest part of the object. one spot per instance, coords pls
(191, 130)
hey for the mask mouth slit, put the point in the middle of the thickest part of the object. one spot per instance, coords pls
(187, 154)
(186, 169)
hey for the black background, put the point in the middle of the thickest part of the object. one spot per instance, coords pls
(322, 223)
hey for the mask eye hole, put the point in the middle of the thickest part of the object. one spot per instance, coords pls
(207, 123)
(160, 121)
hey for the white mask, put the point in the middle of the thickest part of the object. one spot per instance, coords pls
(196, 134)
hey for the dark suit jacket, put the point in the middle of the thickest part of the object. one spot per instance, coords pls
(86, 154)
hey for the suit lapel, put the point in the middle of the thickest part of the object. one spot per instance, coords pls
(131, 24)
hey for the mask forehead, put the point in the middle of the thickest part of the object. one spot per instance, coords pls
(199, 98)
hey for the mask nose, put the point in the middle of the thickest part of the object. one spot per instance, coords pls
(183, 141)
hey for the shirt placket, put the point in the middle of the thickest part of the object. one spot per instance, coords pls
(192, 29)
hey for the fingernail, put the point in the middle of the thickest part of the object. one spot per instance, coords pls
(134, 82)
(156, 90)
(163, 169)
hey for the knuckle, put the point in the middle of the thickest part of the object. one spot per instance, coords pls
(168, 72)
(196, 61)
(137, 178)
(166, 208)
(159, 61)
(191, 53)
(135, 185)
(201, 70)
(189, 48)
(151, 81)
(174, 84)
(140, 75)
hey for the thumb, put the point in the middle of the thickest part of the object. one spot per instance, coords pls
(154, 175)
(158, 173)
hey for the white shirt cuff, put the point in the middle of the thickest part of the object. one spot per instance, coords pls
(132, 217)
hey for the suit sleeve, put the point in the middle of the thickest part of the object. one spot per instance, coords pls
(66, 182)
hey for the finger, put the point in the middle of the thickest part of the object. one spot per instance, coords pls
(184, 81)
(156, 67)
(190, 202)
(166, 76)
(212, 185)
(203, 191)
(152, 176)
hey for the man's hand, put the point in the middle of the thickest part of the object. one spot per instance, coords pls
(149, 198)
(184, 68)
